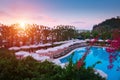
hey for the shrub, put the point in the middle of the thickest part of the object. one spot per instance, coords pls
(30, 69)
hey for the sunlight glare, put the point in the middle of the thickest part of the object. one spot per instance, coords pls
(22, 25)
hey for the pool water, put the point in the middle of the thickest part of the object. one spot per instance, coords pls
(97, 54)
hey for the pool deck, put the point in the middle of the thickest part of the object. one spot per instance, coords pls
(69, 50)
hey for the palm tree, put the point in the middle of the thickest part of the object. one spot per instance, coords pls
(4, 33)
(31, 32)
(46, 32)
(65, 32)
(13, 31)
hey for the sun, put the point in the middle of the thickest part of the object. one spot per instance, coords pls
(22, 25)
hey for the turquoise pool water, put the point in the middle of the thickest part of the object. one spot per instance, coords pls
(98, 54)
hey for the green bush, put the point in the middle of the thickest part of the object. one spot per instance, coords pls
(30, 69)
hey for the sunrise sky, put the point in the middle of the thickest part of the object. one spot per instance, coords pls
(81, 13)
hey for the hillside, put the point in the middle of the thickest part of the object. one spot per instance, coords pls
(108, 25)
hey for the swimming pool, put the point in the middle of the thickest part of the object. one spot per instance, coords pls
(97, 54)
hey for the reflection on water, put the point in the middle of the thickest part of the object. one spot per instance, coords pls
(98, 54)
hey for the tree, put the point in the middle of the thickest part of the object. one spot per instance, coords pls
(64, 32)
(46, 33)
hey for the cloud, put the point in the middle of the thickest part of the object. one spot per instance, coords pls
(43, 18)
(16, 10)
(5, 14)
(78, 22)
